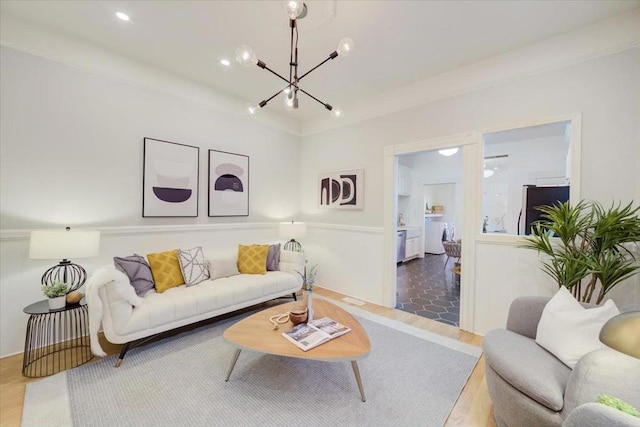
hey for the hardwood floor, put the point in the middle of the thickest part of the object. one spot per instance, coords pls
(473, 408)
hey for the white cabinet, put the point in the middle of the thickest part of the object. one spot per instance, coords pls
(404, 180)
(412, 248)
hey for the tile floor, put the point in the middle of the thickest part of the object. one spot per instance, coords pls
(427, 290)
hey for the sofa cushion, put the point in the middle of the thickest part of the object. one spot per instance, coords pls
(527, 367)
(180, 303)
(252, 259)
(192, 265)
(568, 330)
(223, 267)
(165, 269)
(273, 257)
(136, 268)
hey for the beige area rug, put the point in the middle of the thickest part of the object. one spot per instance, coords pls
(411, 378)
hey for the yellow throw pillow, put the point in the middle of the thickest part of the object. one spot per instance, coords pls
(252, 259)
(165, 269)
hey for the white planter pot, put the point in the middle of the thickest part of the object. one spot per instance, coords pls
(57, 303)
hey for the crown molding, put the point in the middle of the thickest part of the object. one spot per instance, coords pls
(600, 39)
(22, 35)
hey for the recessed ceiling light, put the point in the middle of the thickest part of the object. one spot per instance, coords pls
(448, 151)
(225, 62)
(123, 16)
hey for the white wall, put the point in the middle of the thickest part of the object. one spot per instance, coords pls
(72, 148)
(433, 168)
(71, 154)
(605, 90)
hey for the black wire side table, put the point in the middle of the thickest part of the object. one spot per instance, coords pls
(56, 339)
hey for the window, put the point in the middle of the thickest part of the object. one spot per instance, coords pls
(524, 168)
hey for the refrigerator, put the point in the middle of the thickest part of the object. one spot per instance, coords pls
(533, 196)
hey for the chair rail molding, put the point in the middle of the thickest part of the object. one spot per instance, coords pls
(22, 234)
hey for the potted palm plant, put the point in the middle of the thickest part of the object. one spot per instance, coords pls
(57, 294)
(587, 241)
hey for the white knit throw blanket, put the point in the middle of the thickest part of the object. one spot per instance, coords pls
(121, 285)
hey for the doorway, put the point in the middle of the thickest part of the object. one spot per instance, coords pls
(428, 278)
(466, 146)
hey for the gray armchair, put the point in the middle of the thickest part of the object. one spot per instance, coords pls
(530, 387)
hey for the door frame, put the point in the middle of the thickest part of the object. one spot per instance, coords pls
(470, 143)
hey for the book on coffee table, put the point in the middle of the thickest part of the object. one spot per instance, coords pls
(312, 334)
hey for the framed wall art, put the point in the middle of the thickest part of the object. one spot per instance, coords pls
(341, 190)
(170, 179)
(228, 184)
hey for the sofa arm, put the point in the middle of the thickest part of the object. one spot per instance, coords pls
(292, 262)
(597, 414)
(524, 315)
(603, 371)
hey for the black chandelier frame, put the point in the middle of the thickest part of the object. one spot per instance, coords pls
(294, 79)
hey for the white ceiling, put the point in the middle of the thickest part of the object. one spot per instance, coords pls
(397, 42)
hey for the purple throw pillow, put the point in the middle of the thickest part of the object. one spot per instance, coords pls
(137, 270)
(273, 258)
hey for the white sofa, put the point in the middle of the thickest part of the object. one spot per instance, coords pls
(130, 320)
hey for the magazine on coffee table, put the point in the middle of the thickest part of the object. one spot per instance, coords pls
(312, 334)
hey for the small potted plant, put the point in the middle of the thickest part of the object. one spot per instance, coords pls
(57, 293)
(308, 279)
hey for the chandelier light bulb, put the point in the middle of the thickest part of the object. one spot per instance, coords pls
(288, 101)
(122, 16)
(336, 113)
(251, 109)
(246, 56)
(345, 47)
(448, 151)
(293, 8)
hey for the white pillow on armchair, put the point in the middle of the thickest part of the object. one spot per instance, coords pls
(568, 330)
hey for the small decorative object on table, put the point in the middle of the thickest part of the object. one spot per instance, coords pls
(57, 293)
(308, 279)
(74, 297)
(298, 315)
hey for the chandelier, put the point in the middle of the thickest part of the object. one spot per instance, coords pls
(246, 56)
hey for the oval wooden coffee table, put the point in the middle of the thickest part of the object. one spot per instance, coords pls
(255, 333)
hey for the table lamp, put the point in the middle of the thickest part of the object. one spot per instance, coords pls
(293, 230)
(64, 245)
(622, 333)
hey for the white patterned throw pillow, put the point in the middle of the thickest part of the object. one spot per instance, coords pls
(194, 269)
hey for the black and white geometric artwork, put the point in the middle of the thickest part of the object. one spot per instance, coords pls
(341, 190)
(228, 184)
(170, 179)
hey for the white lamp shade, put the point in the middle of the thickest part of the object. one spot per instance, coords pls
(63, 244)
(293, 230)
